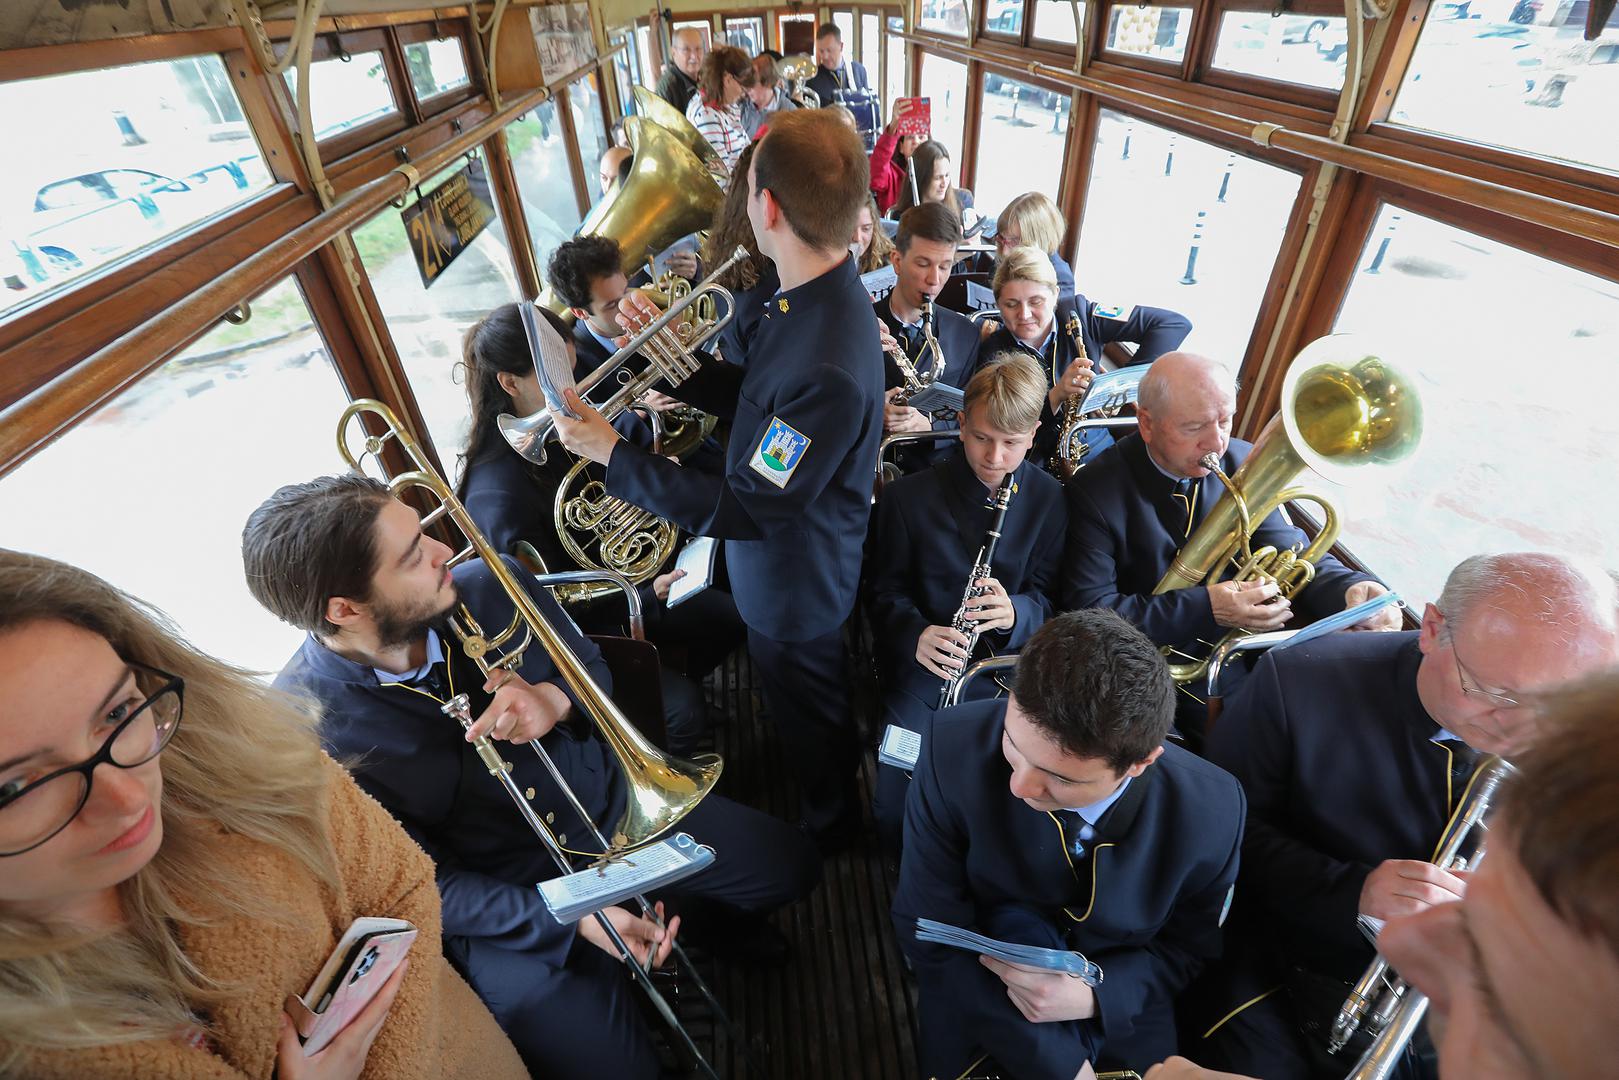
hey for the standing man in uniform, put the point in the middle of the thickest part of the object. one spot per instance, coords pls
(806, 415)
(678, 82)
(832, 72)
(1354, 751)
(1060, 818)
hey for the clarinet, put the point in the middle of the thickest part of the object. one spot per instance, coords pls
(998, 502)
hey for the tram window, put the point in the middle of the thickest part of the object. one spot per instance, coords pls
(545, 183)
(584, 101)
(643, 53)
(1004, 17)
(1513, 414)
(944, 83)
(1021, 133)
(944, 16)
(844, 21)
(1147, 30)
(164, 476)
(156, 147)
(345, 93)
(1307, 49)
(894, 84)
(1175, 222)
(747, 34)
(1054, 21)
(1516, 74)
(624, 66)
(427, 323)
(436, 67)
(870, 47)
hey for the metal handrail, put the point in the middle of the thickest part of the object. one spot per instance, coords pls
(989, 663)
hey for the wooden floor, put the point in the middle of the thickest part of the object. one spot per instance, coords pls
(844, 1006)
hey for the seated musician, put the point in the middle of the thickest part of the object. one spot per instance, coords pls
(1030, 220)
(933, 183)
(1059, 818)
(930, 527)
(1067, 335)
(342, 559)
(513, 500)
(172, 875)
(587, 274)
(1354, 751)
(1134, 507)
(924, 251)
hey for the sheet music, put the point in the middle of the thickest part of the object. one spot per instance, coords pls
(576, 895)
(1029, 956)
(1111, 388)
(900, 747)
(938, 398)
(697, 559)
(660, 261)
(1340, 620)
(979, 297)
(879, 282)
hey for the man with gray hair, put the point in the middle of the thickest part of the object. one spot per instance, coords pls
(1132, 510)
(678, 82)
(1355, 750)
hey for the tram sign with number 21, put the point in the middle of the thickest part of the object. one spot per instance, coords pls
(444, 222)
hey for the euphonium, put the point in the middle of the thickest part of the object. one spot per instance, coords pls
(661, 789)
(669, 345)
(798, 70)
(1343, 406)
(1382, 1002)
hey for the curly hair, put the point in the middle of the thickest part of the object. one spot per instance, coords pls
(578, 262)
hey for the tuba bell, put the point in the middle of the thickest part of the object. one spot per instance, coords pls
(1343, 407)
(798, 70)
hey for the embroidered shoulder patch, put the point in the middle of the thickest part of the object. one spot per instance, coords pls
(1119, 312)
(779, 453)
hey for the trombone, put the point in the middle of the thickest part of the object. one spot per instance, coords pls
(661, 789)
(670, 345)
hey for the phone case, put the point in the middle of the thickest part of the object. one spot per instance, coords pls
(344, 989)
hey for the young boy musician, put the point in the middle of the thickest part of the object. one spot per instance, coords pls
(930, 527)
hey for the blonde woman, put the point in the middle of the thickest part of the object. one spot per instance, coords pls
(169, 875)
(1033, 220)
(1066, 334)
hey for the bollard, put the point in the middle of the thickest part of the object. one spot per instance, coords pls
(1129, 129)
(1169, 158)
(1383, 245)
(1225, 181)
(1190, 277)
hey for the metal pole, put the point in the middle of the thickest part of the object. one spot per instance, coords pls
(1190, 277)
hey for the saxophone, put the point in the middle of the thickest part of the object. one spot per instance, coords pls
(998, 502)
(1071, 449)
(915, 382)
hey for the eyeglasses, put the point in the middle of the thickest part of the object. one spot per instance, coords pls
(33, 811)
(1471, 687)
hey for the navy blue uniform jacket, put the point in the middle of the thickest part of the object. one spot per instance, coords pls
(929, 528)
(414, 760)
(737, 338)
(1335, 751)
(825, 81)
(1154, 331)
(1125, 525)
(1146, 902)
(793, 548)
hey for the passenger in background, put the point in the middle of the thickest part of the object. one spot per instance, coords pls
(340, 558)
(833, 72)
(1354, 751)
(512, 501)
(752, 281)
(678, 83)
(1033, 220)
(614, 168)
(1054, 329)
(766, 97)
(871, 246)
(716, 109)
(924, 251)
(889, 176)
(158, 910)
(1060, 818)
(933, 172)
(930, 527)
(1132, 509)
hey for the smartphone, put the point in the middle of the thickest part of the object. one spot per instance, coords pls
(369, 951)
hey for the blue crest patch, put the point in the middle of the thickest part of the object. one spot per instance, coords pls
(778, 454)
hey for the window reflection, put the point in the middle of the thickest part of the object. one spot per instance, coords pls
(1054, 21)
(1518, 74)
(871, 49)
(584, 101)
(1499, 450)
(945, 16)
(1306, 49)
(895, 78)
(1174, 222)
(1158, 32)
(152, 491)
(1021, 134)
(436, 67)
(427, 324)
(1004, 17)
(155, 147)
(944, 84)
(345, 92)
(746, 34)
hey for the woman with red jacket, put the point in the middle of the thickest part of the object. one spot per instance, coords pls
(888, 158)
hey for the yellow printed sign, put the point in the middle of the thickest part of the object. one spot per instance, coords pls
(444, 222)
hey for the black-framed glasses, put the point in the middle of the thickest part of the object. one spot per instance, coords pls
(33, 811)
(1473, 688)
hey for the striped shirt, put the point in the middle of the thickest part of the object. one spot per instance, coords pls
(721, 126)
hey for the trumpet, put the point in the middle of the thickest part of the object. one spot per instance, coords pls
(670, 345)
(982, 568)
(1384, 1004)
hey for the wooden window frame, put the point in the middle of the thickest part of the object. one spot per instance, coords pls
(354, 43)
(1181, 68)
(1204, 71)
(442, 31)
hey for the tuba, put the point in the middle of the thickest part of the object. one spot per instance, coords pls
(1384, 1004)
(1343, 406)
(661, 789)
